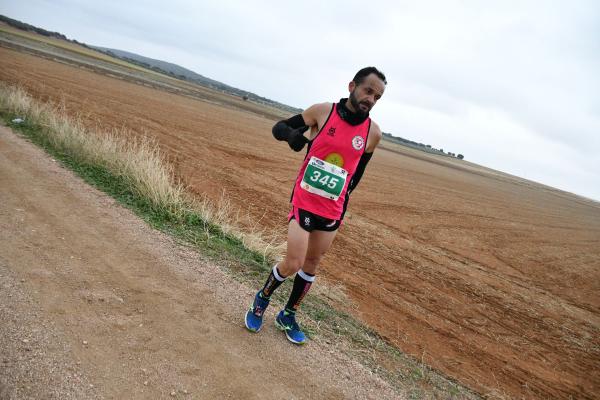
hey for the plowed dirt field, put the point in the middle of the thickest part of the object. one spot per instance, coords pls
(492, 279)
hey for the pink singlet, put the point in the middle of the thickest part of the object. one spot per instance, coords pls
(341, 144)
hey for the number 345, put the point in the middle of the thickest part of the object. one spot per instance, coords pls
(326, 180)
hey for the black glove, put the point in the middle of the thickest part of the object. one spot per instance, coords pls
(296, 139)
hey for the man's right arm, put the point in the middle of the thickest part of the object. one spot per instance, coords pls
(292, 129)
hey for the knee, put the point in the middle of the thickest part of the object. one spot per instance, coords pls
(290, 265)
(312, 262)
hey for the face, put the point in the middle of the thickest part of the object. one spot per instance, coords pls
(364, 96)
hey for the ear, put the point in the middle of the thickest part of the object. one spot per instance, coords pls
(351, 86)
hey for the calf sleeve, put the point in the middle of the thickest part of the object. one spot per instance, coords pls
(273, 282)
(302, 283)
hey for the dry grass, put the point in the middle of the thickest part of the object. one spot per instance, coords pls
(139, 161)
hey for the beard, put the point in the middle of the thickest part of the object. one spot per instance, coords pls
(356, 105)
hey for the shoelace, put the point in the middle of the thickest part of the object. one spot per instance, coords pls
(293, 325)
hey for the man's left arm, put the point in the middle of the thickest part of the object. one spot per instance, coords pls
(372, 142)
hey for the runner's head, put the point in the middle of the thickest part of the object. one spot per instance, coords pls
(366, 89)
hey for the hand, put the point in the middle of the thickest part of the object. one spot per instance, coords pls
(282, 131)
(296, 139)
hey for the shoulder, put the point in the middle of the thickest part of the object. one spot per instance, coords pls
(316, 113)
(375, 136)
(318, 109)
(375, 130)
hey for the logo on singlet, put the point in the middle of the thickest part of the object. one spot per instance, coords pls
(331, 131)
(358, 142)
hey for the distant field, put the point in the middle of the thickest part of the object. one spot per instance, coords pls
(73, 47)
(492, 279)
(74, 54)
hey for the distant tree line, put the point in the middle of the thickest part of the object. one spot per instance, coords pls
(30, 28)
(419, 146)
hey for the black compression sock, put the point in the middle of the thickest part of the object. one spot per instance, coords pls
(273, 281)
(302, 283)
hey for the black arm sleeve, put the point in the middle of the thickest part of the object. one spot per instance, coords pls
(291, 130)
(360, 169)
(297, 121)
(282, 129)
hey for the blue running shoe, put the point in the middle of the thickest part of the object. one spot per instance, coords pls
(254, 316)
(286, 322)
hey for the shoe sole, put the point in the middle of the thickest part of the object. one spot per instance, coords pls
(282, 328)
(248, 327)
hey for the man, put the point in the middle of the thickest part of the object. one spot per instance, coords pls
(340, 144)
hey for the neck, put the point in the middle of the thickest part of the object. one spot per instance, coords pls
(349, 114)
(349, 106)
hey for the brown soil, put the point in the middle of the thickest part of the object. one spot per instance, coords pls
(492, 279)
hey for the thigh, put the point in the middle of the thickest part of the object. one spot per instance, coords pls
(297, 244)
(318, 244)
(297, 241)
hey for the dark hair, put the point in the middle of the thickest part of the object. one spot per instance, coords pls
(363, 73)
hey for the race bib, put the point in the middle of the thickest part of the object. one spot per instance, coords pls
(324, 179)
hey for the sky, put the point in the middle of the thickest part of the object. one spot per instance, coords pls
(511, 85)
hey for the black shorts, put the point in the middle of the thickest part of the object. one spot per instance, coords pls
(313, 222)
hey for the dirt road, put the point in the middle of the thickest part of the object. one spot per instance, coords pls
(94, 304)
